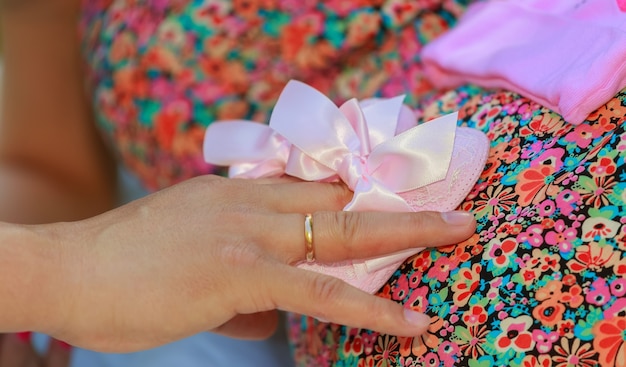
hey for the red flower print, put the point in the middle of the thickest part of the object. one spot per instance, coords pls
(593, 257)
(566, 328)
(549, 312)
(466, 284)
(473, 338)
(353, 345)
(515, 334)
(400, 290)
(476, 315)
(549, 262)
(574, 354)
(418, 299)
(387, 350)
(583, 135)
(494, 200)
(596, 191)
(500, 252)
(422, 261)
(573, 296)
(545, 124)
(441, 268)
(620, 269)
(366, 362)
(552, 290)
(596, 228)
(610, 342)
(533, 183)
(428, 340)
(533, 361)
(604, 167)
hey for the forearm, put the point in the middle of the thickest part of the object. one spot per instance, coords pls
(30, 279)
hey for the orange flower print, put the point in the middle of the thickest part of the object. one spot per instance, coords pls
(500, 252)
(515, 335)
(548, 123)
(533, 183)
(533, 361)
(549, 312)
(610, 342)
(466, 284)
(471, 340)
(573, 296)
(476, 315)
(428, 340)
(573, 354)
(593, 257)
(597, 228)
(387, 349)
(494, 201)
(552, 290)
(604, 167)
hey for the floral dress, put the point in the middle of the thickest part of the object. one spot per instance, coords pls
(541, 283)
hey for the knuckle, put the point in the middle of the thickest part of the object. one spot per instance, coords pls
(348, 226)
(325, 289)
(241, 256)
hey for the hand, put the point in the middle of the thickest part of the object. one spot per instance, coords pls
(216, 254)
(16, 350)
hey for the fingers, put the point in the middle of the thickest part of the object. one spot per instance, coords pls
(259, 325)
(332, 300)
(307, 197)
(359, 235)
(351, 235)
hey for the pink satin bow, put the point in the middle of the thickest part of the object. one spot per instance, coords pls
(375, 147)
(309, 137)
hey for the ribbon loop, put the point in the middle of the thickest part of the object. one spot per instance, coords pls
(309, 137)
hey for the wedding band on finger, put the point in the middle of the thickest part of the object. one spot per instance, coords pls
(308, 238)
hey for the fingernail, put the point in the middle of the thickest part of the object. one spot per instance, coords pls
(457, 217)
(416, 318)
(23, 336)
(62, 344)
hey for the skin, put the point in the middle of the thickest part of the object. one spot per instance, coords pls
(209, 254)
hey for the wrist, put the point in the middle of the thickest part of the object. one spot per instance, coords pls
(37, 271)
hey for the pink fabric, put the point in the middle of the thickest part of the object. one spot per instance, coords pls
(567, 55)
(374, 146)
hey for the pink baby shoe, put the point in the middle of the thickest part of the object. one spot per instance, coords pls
(375, 147)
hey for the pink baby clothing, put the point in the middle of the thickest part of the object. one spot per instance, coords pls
(568, 55)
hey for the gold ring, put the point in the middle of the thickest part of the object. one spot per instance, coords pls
(308, 238)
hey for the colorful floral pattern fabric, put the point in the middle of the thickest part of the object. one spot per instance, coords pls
(543, 282)
(162, 70)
